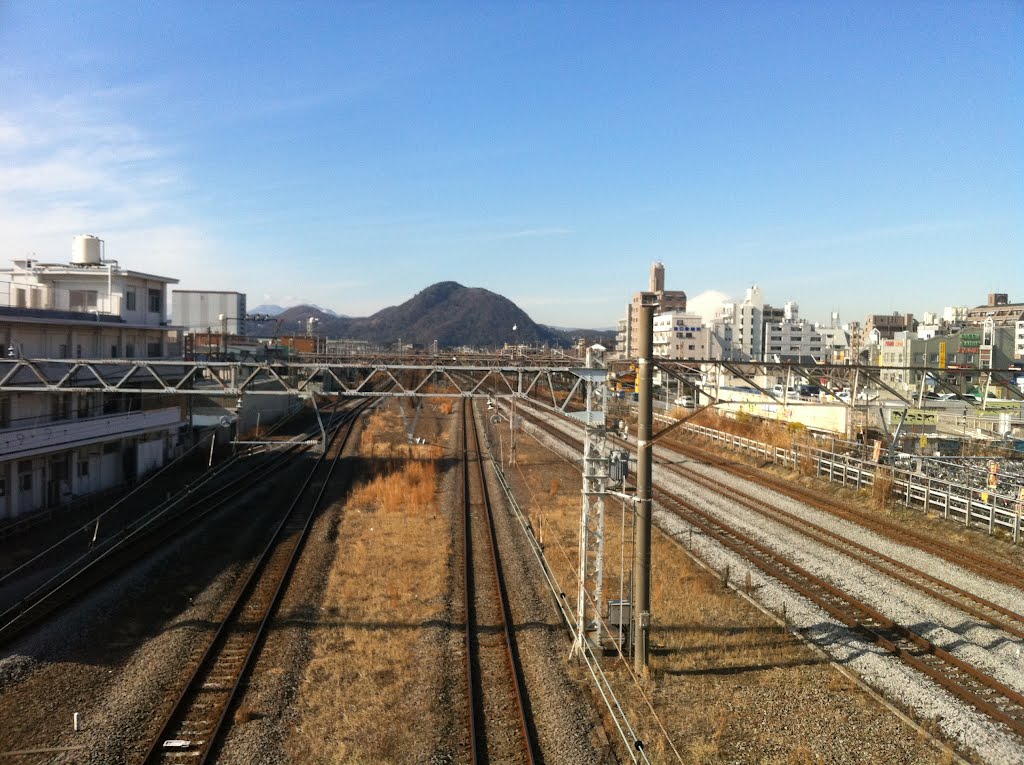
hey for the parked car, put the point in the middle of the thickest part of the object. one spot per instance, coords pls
(686, 402)
(864, 395)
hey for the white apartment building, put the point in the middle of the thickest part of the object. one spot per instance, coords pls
(681, 336)
(835, 342)
(956, 314)
(89, 308)
(622, 337)
(794, 339)
(57, 447)
(738, 328)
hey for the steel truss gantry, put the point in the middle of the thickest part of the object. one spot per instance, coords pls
(556, 384)
(711, 375)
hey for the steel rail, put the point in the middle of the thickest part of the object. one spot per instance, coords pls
(988, 567)
(96, 565)
(472, 446)
(960, 678)
(975, 605)
(467, 588)
(195, 723)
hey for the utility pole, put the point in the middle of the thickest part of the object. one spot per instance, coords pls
(642, 559)
(512, 432)
(223, 336)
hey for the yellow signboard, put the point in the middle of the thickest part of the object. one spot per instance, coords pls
(942, 355)
(1002, 406)
(915, 417)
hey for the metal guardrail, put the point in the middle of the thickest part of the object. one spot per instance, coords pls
(966, 505)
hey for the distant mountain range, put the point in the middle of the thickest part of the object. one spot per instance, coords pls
(446, 312)
(276, 310)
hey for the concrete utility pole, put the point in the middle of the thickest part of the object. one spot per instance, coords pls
(642, 559)
(223, 336)
(512, 433)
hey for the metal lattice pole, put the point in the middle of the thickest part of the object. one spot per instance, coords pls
(591, 547)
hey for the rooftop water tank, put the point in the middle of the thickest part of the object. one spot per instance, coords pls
(85, 250)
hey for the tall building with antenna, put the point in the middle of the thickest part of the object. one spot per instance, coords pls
(669, 301)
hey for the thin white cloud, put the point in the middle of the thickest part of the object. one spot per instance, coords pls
(73, 165)
(707, 304)
(531, 232)
(882, 233)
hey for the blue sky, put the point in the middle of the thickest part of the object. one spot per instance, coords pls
(861, 157)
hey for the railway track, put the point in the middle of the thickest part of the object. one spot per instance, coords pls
(499, 726)
(987, 566)
(42, 588)
(965, 681)
(981, 608)
(193, 725)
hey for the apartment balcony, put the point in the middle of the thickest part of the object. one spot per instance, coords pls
(59, 435)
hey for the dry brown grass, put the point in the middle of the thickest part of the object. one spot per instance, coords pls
(781, 434)
(881, 488)
(246, 714)
(384, 437)
(411, 488)
(362, 698)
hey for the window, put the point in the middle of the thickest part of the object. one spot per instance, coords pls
(83, 469)
(155, 302)
(19, 298)
(62, 350)
(153, 350)
(82, 300)
(129, 350)
(129, 299)
(60, 407)
(25, 475)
